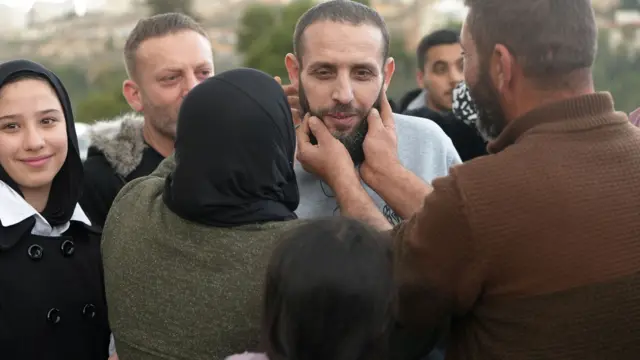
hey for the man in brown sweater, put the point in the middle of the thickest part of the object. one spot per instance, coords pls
(533, 250)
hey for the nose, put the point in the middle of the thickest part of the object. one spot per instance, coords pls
(190, 81)
(343, 92)
(455, 76)
(33, 140)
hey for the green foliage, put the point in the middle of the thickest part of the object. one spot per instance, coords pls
(404, 75)
(615, 71)
(365, 2)
(103, 104)
(265, 35)
(629, 5)
(254, 21)
(166, 6)
(106, 101)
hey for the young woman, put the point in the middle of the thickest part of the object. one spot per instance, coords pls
(52, 302)
(329, 294)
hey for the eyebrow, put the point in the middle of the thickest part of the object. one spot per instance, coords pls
(41, 112)
(324, 64)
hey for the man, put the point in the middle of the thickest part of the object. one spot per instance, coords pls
(340, 70)
(165, 57)
(534, 249)
(439, 59)
(439, 72)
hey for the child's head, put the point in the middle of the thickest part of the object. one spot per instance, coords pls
(329, 293)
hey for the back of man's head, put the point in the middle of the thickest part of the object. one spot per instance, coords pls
(549, 38)
(340, 11)
(436, 38)
(154, 27)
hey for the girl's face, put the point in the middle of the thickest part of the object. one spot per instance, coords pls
(33, 134)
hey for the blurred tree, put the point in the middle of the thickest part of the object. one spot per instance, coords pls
(629, 5)
(404, 76)
(255, 19)
(615, 71)
(265, 44)
(165, 6)
(366, 2)
(105, 101)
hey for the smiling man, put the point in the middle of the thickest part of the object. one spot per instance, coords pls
(341, 68)
(165, 56)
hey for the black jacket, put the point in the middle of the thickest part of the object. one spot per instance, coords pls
(52, 303)
(117, 155)
(466, 139)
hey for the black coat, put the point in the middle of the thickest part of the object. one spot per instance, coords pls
(52, 299)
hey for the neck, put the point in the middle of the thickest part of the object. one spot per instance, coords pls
(37, 197)
(159, 142)
(537, 96)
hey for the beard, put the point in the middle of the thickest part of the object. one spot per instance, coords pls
(352, 140)
(163, 118)
(491, 120)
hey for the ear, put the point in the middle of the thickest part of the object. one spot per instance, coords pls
(502, 67)
(131, 93)
(389, 68)
(420, 78)
(293, 68)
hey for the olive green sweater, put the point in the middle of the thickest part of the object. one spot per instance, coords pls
(177, 289)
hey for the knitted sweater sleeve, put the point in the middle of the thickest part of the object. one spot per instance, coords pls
(437, 262)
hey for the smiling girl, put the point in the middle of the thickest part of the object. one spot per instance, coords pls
(52, 302)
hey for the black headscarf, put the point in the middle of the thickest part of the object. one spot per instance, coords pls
(67, 184)
(235, 147)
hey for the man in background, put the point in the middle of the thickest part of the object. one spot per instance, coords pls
(439, 59)
(165, 56)
(440, 67)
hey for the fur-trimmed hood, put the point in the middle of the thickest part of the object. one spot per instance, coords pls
(120, 141)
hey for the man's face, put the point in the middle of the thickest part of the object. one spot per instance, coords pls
(341, 77)
(167, 68)
(491, 120)
(441, 73)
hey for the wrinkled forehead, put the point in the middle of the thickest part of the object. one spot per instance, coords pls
(342, 44)
(184, 49)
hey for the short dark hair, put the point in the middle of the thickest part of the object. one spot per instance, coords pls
(340, 11)
(550, 38)
(153, 27)
(436, 38)
(330, 292)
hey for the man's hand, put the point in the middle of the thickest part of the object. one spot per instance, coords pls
(380, 144)
(293, 99)
(329, 159)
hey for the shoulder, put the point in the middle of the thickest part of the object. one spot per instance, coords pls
(422, 143)
(420, 129)
(119, 141)
(138, 195)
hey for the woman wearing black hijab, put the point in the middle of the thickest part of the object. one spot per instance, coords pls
(52, 303)
(185, 249)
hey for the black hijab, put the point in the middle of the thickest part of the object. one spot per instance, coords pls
(235, 147)
(67, 184)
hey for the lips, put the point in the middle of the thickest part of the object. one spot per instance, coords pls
(37, 160)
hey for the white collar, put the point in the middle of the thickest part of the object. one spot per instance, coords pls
(14, 209)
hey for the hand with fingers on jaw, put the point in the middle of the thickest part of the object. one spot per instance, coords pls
(328, 159)
(381, 143)
(294, 101)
